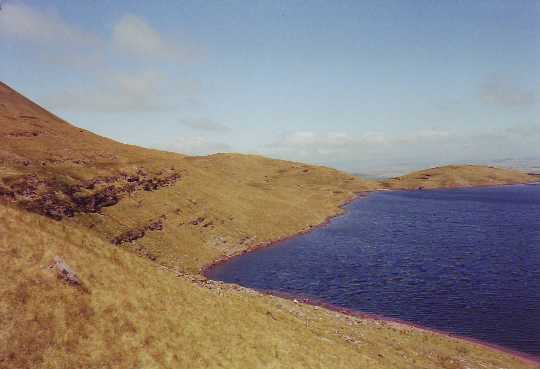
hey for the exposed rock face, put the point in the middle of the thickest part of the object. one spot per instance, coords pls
(51, 206)
(6, 194)
(136, 233)
(57, 200)
(23, 134)
(129, 236)
(94, 203)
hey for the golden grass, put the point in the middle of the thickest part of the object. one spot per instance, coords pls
(244, 199)
(453, 176)
(135, 312)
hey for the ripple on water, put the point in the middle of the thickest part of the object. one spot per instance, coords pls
(465, 261)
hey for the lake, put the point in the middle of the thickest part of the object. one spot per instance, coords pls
(465, 261)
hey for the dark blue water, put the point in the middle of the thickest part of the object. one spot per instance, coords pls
(465, 261)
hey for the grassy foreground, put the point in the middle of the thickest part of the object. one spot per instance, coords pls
(131, 313)
(137, 226)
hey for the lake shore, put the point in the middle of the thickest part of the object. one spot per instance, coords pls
(526, 358)
(266, 244)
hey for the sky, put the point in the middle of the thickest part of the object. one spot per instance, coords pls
(366, 86)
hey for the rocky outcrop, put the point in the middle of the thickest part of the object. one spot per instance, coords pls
(94, 203)
(56, 199)
(22, 134)
(137, 233)
(51, 206)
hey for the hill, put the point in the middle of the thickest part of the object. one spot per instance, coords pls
(455, 176)
(156, 203)
(101, 244)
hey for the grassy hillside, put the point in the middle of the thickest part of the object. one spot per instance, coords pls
(454, 176)
(129, 312)
(136, 226)
(184, 212)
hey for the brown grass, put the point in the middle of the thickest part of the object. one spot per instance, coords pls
(138, 312)
(454, 176)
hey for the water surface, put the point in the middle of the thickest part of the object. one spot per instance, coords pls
(465, 261)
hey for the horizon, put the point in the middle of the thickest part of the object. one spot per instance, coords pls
(376, 88)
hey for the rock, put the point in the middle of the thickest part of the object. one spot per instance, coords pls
(7, 194)
(65, 272)
(156, 226)
(50, 205)
(136, 233)
(129, 236)
(198, 221)
(94, 203)
(57, 199)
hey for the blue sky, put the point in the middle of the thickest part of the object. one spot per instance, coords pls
(365, 86)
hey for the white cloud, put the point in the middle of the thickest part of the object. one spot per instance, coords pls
(312, 144)
(134, 35)
(204, 124)
(197, 146)
(107, 81)
(374, 151)
(28, 24)
(117, 93)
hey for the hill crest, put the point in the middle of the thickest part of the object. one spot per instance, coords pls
(455, 176)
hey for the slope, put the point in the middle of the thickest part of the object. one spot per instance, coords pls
(454, 176)
(127, 312)
(184, 212)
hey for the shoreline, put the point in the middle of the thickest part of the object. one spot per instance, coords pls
(464, 187)
(526, 358)
(265, 244)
